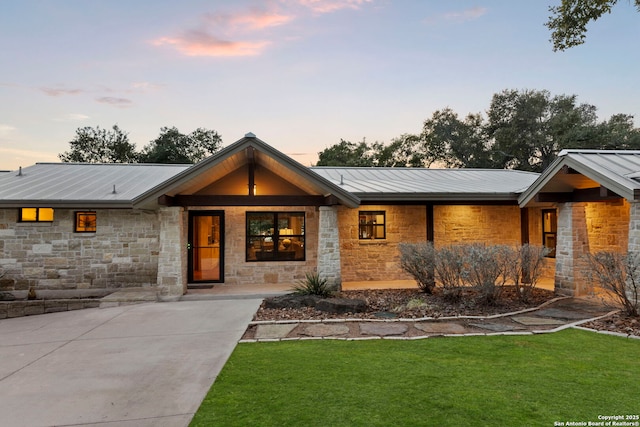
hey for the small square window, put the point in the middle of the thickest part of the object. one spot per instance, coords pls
(36, 214)
(85, 222)
(372, 225)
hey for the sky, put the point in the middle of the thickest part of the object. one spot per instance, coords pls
(300, 74)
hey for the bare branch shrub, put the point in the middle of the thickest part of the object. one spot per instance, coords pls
(483, 270)
(418, 259)
(528, 269)
(620, 274)
(450, 270)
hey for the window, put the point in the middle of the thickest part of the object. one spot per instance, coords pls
(372, 225)
(36, 214)
(275, 236)
(549, 231)
(85, 222)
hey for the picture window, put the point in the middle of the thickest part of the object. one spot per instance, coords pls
(275, 236)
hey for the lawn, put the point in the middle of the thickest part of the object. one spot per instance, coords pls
(533, 380)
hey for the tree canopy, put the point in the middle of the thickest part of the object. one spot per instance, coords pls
(96, 145)
(100, 146)
(171, 146)
(568, 24)
(522, 130)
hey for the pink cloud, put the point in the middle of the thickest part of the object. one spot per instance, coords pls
(327, 6)
(253, 20)
(201, 43)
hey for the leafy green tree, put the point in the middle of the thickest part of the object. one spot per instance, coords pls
(171, 146)
(403, 151)
(568, 24)
(526, 129)
(452, 142)
(96, 145)
(346, 153)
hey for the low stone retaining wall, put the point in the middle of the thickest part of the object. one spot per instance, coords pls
(9, 309)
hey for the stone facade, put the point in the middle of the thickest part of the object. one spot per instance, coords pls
(123, 252)
(571, 247)
(172, 271)
(607, 225)
(238, 271)
(476, 223)
(375, 260)
(329, 247)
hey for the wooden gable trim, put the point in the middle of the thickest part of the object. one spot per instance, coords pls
(597, 194)
(181, 200)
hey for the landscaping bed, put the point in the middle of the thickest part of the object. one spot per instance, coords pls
(409, 304)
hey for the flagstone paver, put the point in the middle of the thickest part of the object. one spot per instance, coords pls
(495, 327)
(383, 329)
(537, 321)
(326, 329)
(271, 331)
(561, 314)
(440, 327)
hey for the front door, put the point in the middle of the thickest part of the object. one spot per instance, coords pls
(206, 247)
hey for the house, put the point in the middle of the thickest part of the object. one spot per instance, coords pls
(250, 214)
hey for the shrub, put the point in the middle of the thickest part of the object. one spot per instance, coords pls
(449, 269)
(484, 268)
(418, 259)
(312, 284)
(528, 269)
(620, 274)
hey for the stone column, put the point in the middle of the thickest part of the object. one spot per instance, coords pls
(329, 247)
(572, 246)
(171, 278)
(634, 239)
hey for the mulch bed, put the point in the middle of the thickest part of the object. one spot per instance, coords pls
(411, 304)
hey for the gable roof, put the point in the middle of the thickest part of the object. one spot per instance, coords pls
(421, 184)
(616, 170)
(82, 184)
(237, 155)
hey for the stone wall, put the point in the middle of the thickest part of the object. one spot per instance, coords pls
(608, 226)
(123, 252)
(377, 260)
(471, 223)
(237, 271)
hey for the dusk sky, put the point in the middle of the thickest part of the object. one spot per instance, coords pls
(300, 74)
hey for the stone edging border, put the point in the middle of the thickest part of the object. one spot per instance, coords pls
(575, 325)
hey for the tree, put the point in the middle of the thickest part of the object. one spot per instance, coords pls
(526, 129)
(403, 151)
(455, 143)
(568, 24)
(100, 146)
(174, 147)
(346, 153)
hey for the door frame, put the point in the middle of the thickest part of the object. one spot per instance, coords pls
(191, 283)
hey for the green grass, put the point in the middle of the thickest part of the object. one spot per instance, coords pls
(468, 381)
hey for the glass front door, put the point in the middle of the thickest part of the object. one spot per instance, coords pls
(206, 247)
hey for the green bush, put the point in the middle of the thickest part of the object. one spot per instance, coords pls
(312, 284)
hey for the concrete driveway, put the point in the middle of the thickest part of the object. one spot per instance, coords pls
(136, 365)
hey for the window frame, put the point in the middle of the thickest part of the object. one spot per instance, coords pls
(550, 235)
(38, 216)
(368, 229)
(275, 237)
(76, 227)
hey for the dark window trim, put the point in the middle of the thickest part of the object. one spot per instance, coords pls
(76, 219)
(548, 235)
(275, 236)
(366, 229)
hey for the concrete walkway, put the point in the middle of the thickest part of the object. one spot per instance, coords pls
(135, 365)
